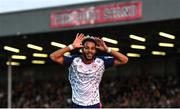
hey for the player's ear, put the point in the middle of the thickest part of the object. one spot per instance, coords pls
(81, 49)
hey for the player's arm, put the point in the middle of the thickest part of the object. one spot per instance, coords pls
(119, 57)
(58, 56)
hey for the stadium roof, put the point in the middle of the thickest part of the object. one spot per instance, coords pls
(149, 31)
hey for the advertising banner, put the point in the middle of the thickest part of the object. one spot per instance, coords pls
(108, 13)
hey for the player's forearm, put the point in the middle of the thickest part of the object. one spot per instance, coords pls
(119, 56)
(59, 53)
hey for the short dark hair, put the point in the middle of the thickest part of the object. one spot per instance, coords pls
(91, 39)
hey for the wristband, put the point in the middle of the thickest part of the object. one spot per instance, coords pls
(70, 47)
(109, 50)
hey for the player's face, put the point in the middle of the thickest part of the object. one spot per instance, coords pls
(89, 50)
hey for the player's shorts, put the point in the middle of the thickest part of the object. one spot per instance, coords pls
(98, 105)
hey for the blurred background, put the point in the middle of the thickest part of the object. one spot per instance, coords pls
(147, 31)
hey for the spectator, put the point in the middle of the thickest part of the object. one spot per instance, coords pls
(129, 92)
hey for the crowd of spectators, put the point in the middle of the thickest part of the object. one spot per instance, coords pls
(3, 95)
(132, 91)
(141, 91)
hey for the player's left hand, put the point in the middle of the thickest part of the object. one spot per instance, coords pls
(101, 44)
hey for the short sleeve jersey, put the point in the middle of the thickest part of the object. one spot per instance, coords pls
(85, 78)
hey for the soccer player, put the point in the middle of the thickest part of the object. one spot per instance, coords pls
(86, 70)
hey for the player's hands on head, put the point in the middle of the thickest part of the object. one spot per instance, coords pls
(77, 43)
(78, 40)
(101, 44)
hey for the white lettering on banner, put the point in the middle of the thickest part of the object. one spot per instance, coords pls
(63, 19)
(75, 17)
(120, 12)
(97, 14)
(87, 15)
